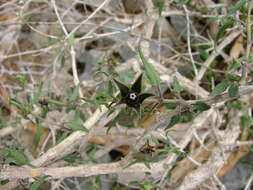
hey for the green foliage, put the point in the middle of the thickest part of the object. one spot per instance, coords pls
(73, 125)
(38, 133)
(233, 90)
(144, 186)
(246, 121)
(73, 94)
(222, 30)
(21, 79)
(182, 2)
(170, 106)
(61, 137)
(183, 117)
(71, 39)
(177, 88)
(38, 182)
(238, 6)
(150, 72)
(160, 6)
(237, 105)
(3, 122)
(201, 106)
(24, 108)
(36, 95)
(146, 161)
(14, 155)
(72, 158)
(220, 88)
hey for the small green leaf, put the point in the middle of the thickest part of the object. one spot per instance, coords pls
(79, 115)
(18, 156)
(63, 61)
(233, 90)
(3, 122)
(183, 2)
(175, 119)
(238, 105)
(238, 6)
(37, 135)
(160, 6)
(230, 23)
(71, 39)
(201, 106)
(16, 103)
(76, 126)
(234, 66)
(74, 95)
(204, 54)
(154, 139)
(246, 121)
(22, 80)
(60, 138)
(171, 106)
(150, 72)
(37, 95)
(233, 77)
(220, 88)
(36, 184)
(177, 88)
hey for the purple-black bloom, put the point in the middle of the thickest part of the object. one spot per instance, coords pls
(132, 95)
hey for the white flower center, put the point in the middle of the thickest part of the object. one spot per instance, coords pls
(132, 96)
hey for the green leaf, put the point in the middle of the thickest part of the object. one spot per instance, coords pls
(154, 139)
(175, 119)
(76, 126)
(238, 105)
(246, 121)
(160, 6)
(63, 61)
(201, 106)
(110, 88)
(3, 122)
(220, 88)
(37, 135)
(183, 2)
(36, 184)
(171, 106)
(233, 90)
(230, 23)
(22, 80)
(150, 72)
(74, 94)
(71, 158)
(79, 115)
(16, 103)
(60, 138)
(37, 95)
(234, 66)
(238, 6)
(177, 88)
(71, 39)
(233, 77)
(18, 156)
(204, 54)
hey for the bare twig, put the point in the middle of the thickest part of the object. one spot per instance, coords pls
(189, 40)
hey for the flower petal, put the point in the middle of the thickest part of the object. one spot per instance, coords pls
(124, 90)
(143, 96)
(136, 87)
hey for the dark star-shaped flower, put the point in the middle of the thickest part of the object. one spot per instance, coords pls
(132, 95)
